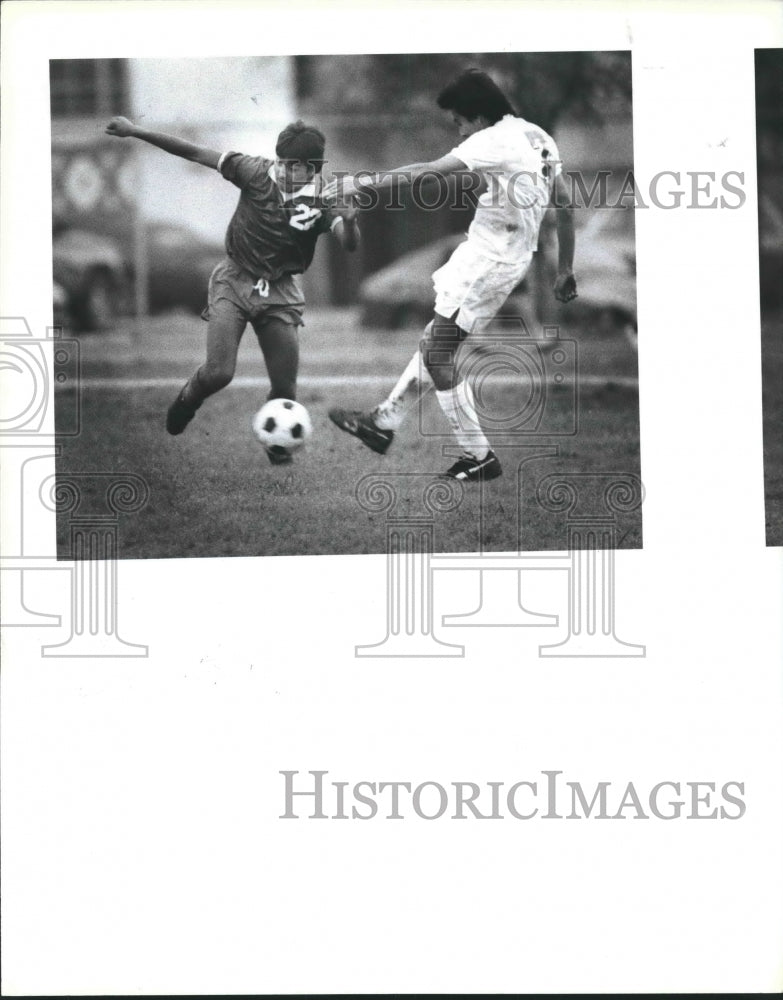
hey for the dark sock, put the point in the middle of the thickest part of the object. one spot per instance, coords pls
(192, 392)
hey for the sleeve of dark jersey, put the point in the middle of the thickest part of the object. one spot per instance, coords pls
(327, 220)
(238, 168)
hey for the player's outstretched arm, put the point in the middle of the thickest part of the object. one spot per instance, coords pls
(348, 187)
(124, 128)
(347, 229)
(565, 283)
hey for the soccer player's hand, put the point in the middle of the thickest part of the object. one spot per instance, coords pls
(120, 126)
(342, 188)
(348, 210)
(565, 287)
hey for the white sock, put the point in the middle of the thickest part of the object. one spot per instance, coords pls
(458, 405)
(389, 414)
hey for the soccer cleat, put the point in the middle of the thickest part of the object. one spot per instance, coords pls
(278, 455)
(180, 414)
(363, 426)
(472, 469)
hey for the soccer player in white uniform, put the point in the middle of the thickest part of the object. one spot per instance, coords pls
(522, 170)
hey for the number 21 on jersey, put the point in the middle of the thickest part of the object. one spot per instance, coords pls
(305, 217)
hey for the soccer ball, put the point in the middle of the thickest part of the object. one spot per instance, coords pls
(282, 426)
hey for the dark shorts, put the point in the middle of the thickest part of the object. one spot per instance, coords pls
(255, 300)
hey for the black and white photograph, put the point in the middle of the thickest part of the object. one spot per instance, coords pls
(769, 153)
(390, 460)
(454, 235)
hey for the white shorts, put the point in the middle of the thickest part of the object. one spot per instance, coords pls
(475, 287)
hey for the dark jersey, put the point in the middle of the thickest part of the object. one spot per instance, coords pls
(270, 235)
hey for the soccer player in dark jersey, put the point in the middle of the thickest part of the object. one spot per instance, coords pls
(270, 241)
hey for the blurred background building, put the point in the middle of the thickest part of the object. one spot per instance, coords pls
(137, 230)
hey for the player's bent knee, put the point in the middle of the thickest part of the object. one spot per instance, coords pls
(439, 352)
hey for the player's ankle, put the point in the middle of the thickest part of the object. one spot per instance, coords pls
(387, 416)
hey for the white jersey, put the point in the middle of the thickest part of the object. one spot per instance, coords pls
(519, 162)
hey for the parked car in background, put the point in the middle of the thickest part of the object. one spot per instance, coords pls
(94, 273)
(60, 307)
(179, 264)
(401, 294)
(605, 269)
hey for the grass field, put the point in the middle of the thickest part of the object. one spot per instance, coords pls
(213, 492)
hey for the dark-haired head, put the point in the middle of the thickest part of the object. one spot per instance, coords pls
(474, 94)
(302, 143)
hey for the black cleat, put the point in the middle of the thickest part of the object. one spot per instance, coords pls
(277, 455)
(472, 469)
(363, 426)
(180, 414)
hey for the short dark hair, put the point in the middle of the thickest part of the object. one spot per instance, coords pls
(302, 142)
(474, 93)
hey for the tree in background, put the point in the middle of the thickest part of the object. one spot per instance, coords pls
(378, 110)
(543, 86)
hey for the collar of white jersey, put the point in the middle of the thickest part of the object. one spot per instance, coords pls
(308, 191)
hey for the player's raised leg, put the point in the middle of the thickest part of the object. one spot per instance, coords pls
(390, 414)
(376, 428)
(439, 350)
(226, 326)
(434, 363)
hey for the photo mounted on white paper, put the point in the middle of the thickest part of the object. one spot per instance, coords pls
(313, 294)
